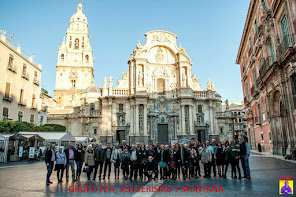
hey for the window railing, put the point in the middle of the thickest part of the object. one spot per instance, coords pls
(22, 102)
(267, 62)
(25, 75)
(7, 98)
(36, 81)
(11, 67)
(287, 42)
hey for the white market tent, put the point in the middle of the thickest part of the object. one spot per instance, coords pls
(57, 137)
(82, 140)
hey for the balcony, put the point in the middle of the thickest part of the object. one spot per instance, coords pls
(25, 75)
(12, 68)
(288, 42)
(22, 103)
(36, 81)
(267, 62)
(95, 113)
(7, 98)
(34, 106)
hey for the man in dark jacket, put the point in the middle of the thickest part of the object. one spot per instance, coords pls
(151, 168)
(50, 157)
(134, 158)
(100, 159)
(184, 160)
(108, 153)
(124, 144)
(70, 155)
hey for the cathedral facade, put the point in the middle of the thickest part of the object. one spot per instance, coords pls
(157, 99)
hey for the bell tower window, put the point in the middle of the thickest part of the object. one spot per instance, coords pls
(73, 83)
(76, 43)
(62, 57)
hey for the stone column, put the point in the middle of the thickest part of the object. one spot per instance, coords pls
(183, 132)
(137, 120)
(145, 120)
(190, 120)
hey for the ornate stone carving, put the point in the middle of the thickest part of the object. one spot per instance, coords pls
(137, 49)
(105, 82)
(160, 37)
(159, 57)
(140, 78)
(195, 83)
(123, 83)
(110, 81)
(209, 85)
(141, 118)
(184, 78)
(182, 50)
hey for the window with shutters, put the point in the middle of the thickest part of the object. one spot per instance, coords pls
(5, 113)
(32, 118)
(11, 60)
(120, 107)
(24, 69)
(22, 96)
(7, 90)
(20, 116)
(255, 79)
(199, 108)
(33, 100)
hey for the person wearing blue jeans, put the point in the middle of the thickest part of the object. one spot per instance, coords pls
(50, 157)
(245, 153)
(70, 155)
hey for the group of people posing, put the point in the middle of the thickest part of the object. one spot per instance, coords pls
(168, 161)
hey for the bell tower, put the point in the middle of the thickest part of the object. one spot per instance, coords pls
(74, 70)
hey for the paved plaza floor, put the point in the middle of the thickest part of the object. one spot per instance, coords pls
(29, 180)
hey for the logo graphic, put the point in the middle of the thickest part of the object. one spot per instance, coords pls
(285, 185)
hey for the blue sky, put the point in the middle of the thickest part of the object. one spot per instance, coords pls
(210, 30)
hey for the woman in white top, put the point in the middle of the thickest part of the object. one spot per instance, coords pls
(116, 159)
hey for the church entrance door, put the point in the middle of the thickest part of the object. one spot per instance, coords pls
(120, 135)
(163, 134)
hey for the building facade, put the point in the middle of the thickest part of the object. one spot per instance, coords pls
(267, 60)
(75, 63)
(157, 99)
(20, 84)
(237, 110)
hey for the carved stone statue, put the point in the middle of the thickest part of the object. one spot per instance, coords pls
(110, 81)
(159, 57)
(209, 85)
(213, 86)
(184, 78)
(140, 78)
(123, 83)
(105, 82)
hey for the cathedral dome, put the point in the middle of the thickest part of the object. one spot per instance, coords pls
(79, 16)
(92, 88)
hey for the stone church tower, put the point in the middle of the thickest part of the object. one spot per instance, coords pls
(75, 63)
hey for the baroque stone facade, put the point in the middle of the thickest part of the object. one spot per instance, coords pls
(267, 57)
(157, 99)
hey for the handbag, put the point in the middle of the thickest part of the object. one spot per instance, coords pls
(162, 164)
(86, 169)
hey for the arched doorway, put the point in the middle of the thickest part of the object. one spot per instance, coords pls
(279, 125)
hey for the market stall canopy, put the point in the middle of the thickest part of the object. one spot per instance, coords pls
(11, 136)
(53, 136)
(82, 139)
(31, 137)
(92, 139)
